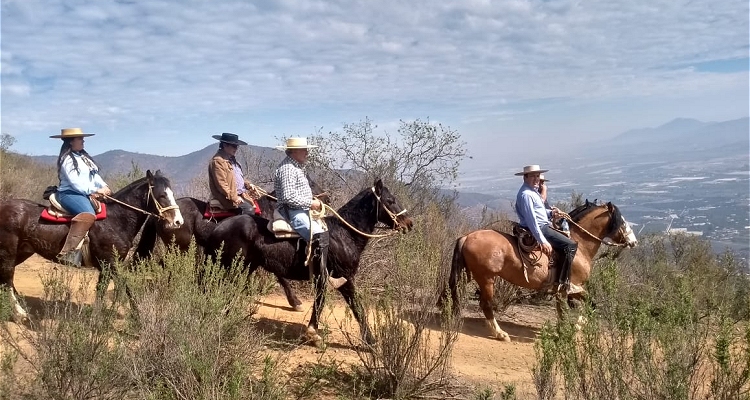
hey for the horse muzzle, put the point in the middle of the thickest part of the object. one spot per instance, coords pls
(174, 219)
(404, 224)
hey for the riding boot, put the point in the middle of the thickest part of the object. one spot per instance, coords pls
(321, 250)
(565, 268)
(79, 226)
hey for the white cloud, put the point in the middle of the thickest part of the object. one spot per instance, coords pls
(189, 62)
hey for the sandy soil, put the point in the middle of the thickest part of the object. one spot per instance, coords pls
(477, 359)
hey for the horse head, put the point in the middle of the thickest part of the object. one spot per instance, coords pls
(161, 198)
(389, 211)
(607, 222)
(619, 232)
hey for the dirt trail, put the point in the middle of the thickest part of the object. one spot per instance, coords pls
(476, 358)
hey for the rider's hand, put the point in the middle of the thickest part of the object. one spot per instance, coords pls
(547, 249)
(316, 205)
(105, 191)
(555, 212)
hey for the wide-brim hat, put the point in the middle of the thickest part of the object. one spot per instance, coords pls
(542, 178)
(531, 169)
(230, 138)
(296, 143)
(71, 133)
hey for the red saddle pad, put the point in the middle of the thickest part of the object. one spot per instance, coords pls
(48, 217)
(224, 213)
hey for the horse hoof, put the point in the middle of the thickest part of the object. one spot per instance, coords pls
(298, 308)
(313, 337)
(504, 337)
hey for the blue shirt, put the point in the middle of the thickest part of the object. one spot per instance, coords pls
(531, 212)
(86, 180)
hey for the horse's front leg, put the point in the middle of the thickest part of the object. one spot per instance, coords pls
(291, 297)
(7, 271)
(486, 293)
(350, 296)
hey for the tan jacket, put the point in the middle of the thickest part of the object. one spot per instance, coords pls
(222, 183)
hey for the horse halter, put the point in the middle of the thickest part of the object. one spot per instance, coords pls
(161, 209)
(394, 217)
(150, 195)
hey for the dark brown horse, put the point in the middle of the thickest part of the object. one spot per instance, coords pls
(198, 227)
(250, 237)
(23, 233)
(486, 254)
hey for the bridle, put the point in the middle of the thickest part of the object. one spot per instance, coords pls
(150, 195)
(394, 216)
(606, 240)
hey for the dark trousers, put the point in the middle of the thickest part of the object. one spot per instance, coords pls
(566, 246)
(246, 207)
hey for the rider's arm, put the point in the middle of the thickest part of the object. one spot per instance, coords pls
(526, 209)
(289, 188)
(221, 173)
(78, 180)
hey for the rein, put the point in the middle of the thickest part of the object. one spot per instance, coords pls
(566, 216)
(326, 208)
(150, 194)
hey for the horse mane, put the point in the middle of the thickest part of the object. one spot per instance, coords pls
(140, 181)
(130, 186)
(615, 223)
(353, 207)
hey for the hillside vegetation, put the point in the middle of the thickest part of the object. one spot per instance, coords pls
(668, 319)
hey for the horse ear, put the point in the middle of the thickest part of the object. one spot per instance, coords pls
(378, 185)
(149, 175)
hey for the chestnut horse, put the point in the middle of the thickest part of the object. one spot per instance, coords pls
(23, 232)
(486, 254)
(198, 227)
(249, 236)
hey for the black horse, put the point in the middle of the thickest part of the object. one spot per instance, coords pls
(250, 237)
(23, 232)
(199, 227)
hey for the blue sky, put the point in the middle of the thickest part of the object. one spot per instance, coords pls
(161, 77)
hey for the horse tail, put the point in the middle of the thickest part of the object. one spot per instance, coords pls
(457, 266)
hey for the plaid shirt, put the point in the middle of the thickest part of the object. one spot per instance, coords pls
(291, 185)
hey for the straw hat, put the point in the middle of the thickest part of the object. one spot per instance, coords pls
(543, 179)
(531, 169)
(71, 133)
(296, 143)
(229, 138)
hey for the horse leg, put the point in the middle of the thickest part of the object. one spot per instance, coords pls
(486, 293)
(291, 297)
(350, 296)
(7, 271)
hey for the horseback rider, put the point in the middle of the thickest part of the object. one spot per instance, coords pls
(79, 179)
(536, 218)
(226, 180)
(560, 223)
(295, 200)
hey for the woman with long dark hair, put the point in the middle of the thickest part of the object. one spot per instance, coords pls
(79, 179)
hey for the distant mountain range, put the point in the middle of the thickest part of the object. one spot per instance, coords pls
(681, 137)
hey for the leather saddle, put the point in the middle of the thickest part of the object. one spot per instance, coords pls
(215, 210)
(281, 228)
(527, 244)
(55, 212)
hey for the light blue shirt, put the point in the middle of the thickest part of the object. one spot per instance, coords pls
(531, 212)
(86, 180)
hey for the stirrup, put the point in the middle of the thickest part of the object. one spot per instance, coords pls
(72, 258)
(336, 282)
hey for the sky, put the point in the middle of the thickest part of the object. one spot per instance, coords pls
(512, 77)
